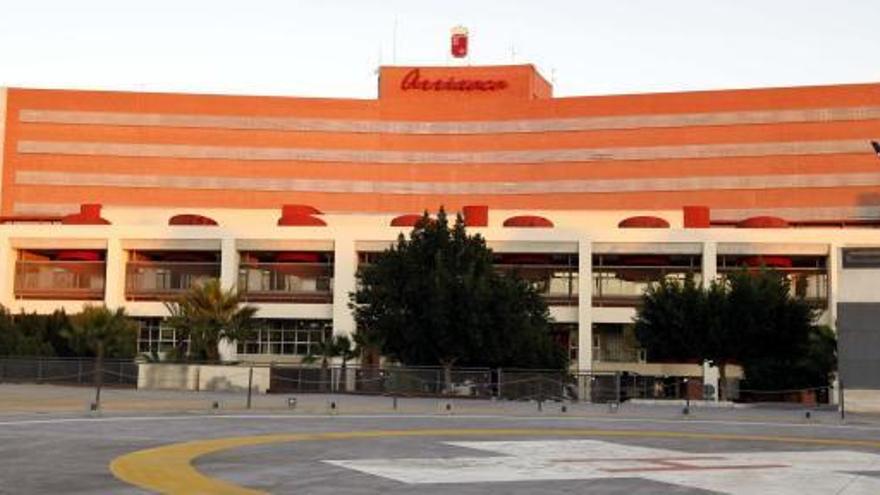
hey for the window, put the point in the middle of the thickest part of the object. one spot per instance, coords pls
(154, 336)
(287, 337)
(861, 258)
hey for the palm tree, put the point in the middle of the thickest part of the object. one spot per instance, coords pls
(329, 348)
(346, 350)
(207, 314)
(368, 348)
(101, 331)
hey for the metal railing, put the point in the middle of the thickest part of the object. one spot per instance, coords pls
(510, 384)
(619, 354)
(152, 280)
(624, 286)
(81, 280)
(558, 284)
(67, 371)
(810, 284)
(286, 282)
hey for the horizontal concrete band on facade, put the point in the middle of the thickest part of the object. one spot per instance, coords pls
(806, 213)
(448, 127)
(435, 157)
(447, 188)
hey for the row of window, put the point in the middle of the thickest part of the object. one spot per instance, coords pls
(294, 337)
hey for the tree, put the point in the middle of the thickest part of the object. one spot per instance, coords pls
(325, 351)
(32, 334)
(206, 315)
(100, 331)
(748, 318)
(347, 351)
(435, 299)
(811, 367)
(33, 340)
(670, 322)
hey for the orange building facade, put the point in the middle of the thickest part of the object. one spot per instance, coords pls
(130, 198)
(449, 136)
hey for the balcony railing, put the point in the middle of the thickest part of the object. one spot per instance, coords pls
(624, 286)
(286, 282)
(80, 280)
(155, 280)
(811, 284)
(619, 354)
(558, 284)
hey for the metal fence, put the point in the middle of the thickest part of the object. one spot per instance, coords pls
(399, 381)
(510, 384)
(67, 371)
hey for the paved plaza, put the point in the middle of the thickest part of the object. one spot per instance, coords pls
(181, 444)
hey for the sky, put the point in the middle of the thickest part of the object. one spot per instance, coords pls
(326, 48)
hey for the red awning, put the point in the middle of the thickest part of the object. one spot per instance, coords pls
(191, 219)
(643, 222)
(768, 261)
(300, 220)
(78, 255)
(528, 221)
(297, 257)
(406, 220)
(764, 222)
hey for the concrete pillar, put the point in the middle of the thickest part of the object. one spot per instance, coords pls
(114, 281)
(709, 268)
(344, 268)
(229, 261)
(834, 267)
(585, 305)
(709, 272)
(711, 376)
(7, 273)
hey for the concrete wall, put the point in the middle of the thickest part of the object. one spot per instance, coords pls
(858, 328)
(861, 400)
(168, 377)
(158, 376)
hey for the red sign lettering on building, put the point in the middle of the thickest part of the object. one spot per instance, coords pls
(413, 81)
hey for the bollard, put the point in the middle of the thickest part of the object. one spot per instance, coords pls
(807, 415)
(332, 407)
(687, 398)
(394, 402)
(215, 405)
(540, 405)
(250, 386)
(564, 409)
(291, 402)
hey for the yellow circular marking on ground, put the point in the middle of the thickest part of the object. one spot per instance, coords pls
(169, 469)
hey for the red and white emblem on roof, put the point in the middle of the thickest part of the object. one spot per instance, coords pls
(459, 46)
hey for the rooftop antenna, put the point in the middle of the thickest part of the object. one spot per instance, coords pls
(378, 59)
(394, 43)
